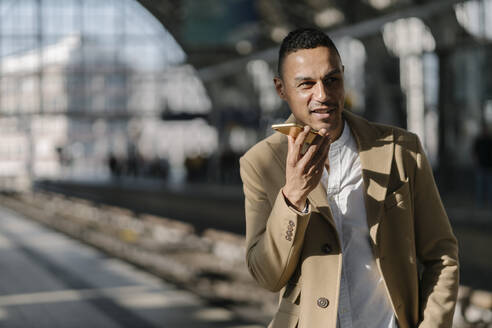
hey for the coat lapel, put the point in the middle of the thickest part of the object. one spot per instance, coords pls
(318, 199)
(376, 155)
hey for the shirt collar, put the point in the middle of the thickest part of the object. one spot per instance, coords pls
(344, 137)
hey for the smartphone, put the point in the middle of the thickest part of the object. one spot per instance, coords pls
(293, 129)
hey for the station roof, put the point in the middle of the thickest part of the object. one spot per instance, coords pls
(215, 31)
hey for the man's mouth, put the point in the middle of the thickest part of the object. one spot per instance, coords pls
(323, 110)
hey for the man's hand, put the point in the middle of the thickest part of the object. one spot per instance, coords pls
(303, 172)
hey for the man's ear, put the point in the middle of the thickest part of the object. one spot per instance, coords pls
(279, 86)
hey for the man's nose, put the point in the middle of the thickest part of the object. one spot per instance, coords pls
(320, 92)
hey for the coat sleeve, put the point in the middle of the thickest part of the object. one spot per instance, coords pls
(437, 249)
(274, 231)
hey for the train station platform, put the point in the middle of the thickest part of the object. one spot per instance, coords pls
(50, 280)
(192, 236)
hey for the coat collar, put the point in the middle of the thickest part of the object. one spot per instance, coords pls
(376, 149)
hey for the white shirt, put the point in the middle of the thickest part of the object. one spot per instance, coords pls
(363, 300)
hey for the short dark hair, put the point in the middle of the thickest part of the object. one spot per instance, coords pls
(303, 38)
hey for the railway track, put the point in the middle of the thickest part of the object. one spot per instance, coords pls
(204, 207)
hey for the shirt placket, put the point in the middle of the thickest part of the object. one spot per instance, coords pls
(333, 194)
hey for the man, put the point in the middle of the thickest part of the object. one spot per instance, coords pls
(352, 232)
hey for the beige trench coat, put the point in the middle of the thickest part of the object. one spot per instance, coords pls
(412, 240)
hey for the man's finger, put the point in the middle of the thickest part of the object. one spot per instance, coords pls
(316, 166)
(309, 155)
(306, 159)
(301, 137)
(291, 152)
(299, 141)
(315, 150)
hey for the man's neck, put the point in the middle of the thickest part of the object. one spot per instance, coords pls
(339, 134)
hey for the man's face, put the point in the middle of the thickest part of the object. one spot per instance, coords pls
(312, 85)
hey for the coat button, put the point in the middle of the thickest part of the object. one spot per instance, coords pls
(323, 302)
(326, 248)
(291, 223)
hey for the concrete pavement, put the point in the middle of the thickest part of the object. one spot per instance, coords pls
(50, 280)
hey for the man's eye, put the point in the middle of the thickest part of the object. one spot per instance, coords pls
(331, 79)
(306, 84)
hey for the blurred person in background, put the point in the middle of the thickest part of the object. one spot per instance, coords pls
(482, 151)
(352, 233)
(114, 166)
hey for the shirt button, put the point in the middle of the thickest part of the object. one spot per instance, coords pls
(323, 302)
(326, 248)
